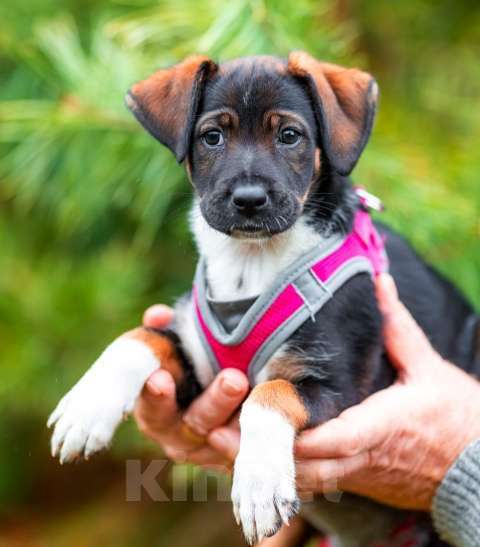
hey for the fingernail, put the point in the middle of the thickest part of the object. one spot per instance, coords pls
(158, 313)
(230, 385)
(389, 284)
(154, 385)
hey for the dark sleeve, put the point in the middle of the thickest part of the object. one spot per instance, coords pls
(456, 506)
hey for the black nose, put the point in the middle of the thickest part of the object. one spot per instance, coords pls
(249, 199)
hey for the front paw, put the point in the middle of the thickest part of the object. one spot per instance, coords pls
(86, 418)
(264, 496)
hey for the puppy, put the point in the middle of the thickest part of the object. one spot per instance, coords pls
(268, 145)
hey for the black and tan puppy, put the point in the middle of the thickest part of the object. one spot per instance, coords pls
(268, 145)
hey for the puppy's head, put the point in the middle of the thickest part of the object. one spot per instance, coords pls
(256, 132)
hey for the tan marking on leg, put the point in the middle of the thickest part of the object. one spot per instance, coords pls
(281, 395)
(163, 349)
(286, 368)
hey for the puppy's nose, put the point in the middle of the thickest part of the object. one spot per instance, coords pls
(249, 199)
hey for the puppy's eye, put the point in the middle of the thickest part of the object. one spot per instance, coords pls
(289, 136)
(213, 138)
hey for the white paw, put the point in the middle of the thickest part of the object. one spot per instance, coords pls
(86, 418)
(88, 415)
(263, 494)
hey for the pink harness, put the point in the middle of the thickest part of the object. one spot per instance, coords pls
(300, 292)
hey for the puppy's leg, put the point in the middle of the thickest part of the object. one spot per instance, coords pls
(87, 416)
(264, 493)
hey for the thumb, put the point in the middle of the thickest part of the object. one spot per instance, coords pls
(406, 344)
(156, 408)
(356, 430)
(158, 316)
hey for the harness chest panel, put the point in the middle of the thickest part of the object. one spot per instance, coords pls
(296, 296)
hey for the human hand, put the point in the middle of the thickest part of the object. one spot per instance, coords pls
(185, 437)
(397, 445)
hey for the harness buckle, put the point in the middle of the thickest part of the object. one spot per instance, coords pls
(368, 200)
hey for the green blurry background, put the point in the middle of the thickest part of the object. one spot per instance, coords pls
(92, 210)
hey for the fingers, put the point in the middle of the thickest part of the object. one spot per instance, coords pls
(358, 429)
(225, 441)
(214, 406)
(158, 417)
(327, 475)
(407, 346)
(158, 316)
(156, 409)
(205, 456)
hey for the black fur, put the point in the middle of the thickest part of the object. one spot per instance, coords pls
(341, 352)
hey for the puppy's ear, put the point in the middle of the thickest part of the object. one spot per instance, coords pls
(166, 103)
(344, 101)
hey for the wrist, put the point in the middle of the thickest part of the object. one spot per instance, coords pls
(456, 504)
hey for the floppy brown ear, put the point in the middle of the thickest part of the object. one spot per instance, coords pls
(344, 101)
(166, 102)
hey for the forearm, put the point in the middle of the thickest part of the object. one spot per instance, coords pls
(456, 506)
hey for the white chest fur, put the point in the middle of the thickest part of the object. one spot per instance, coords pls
(243, 268)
